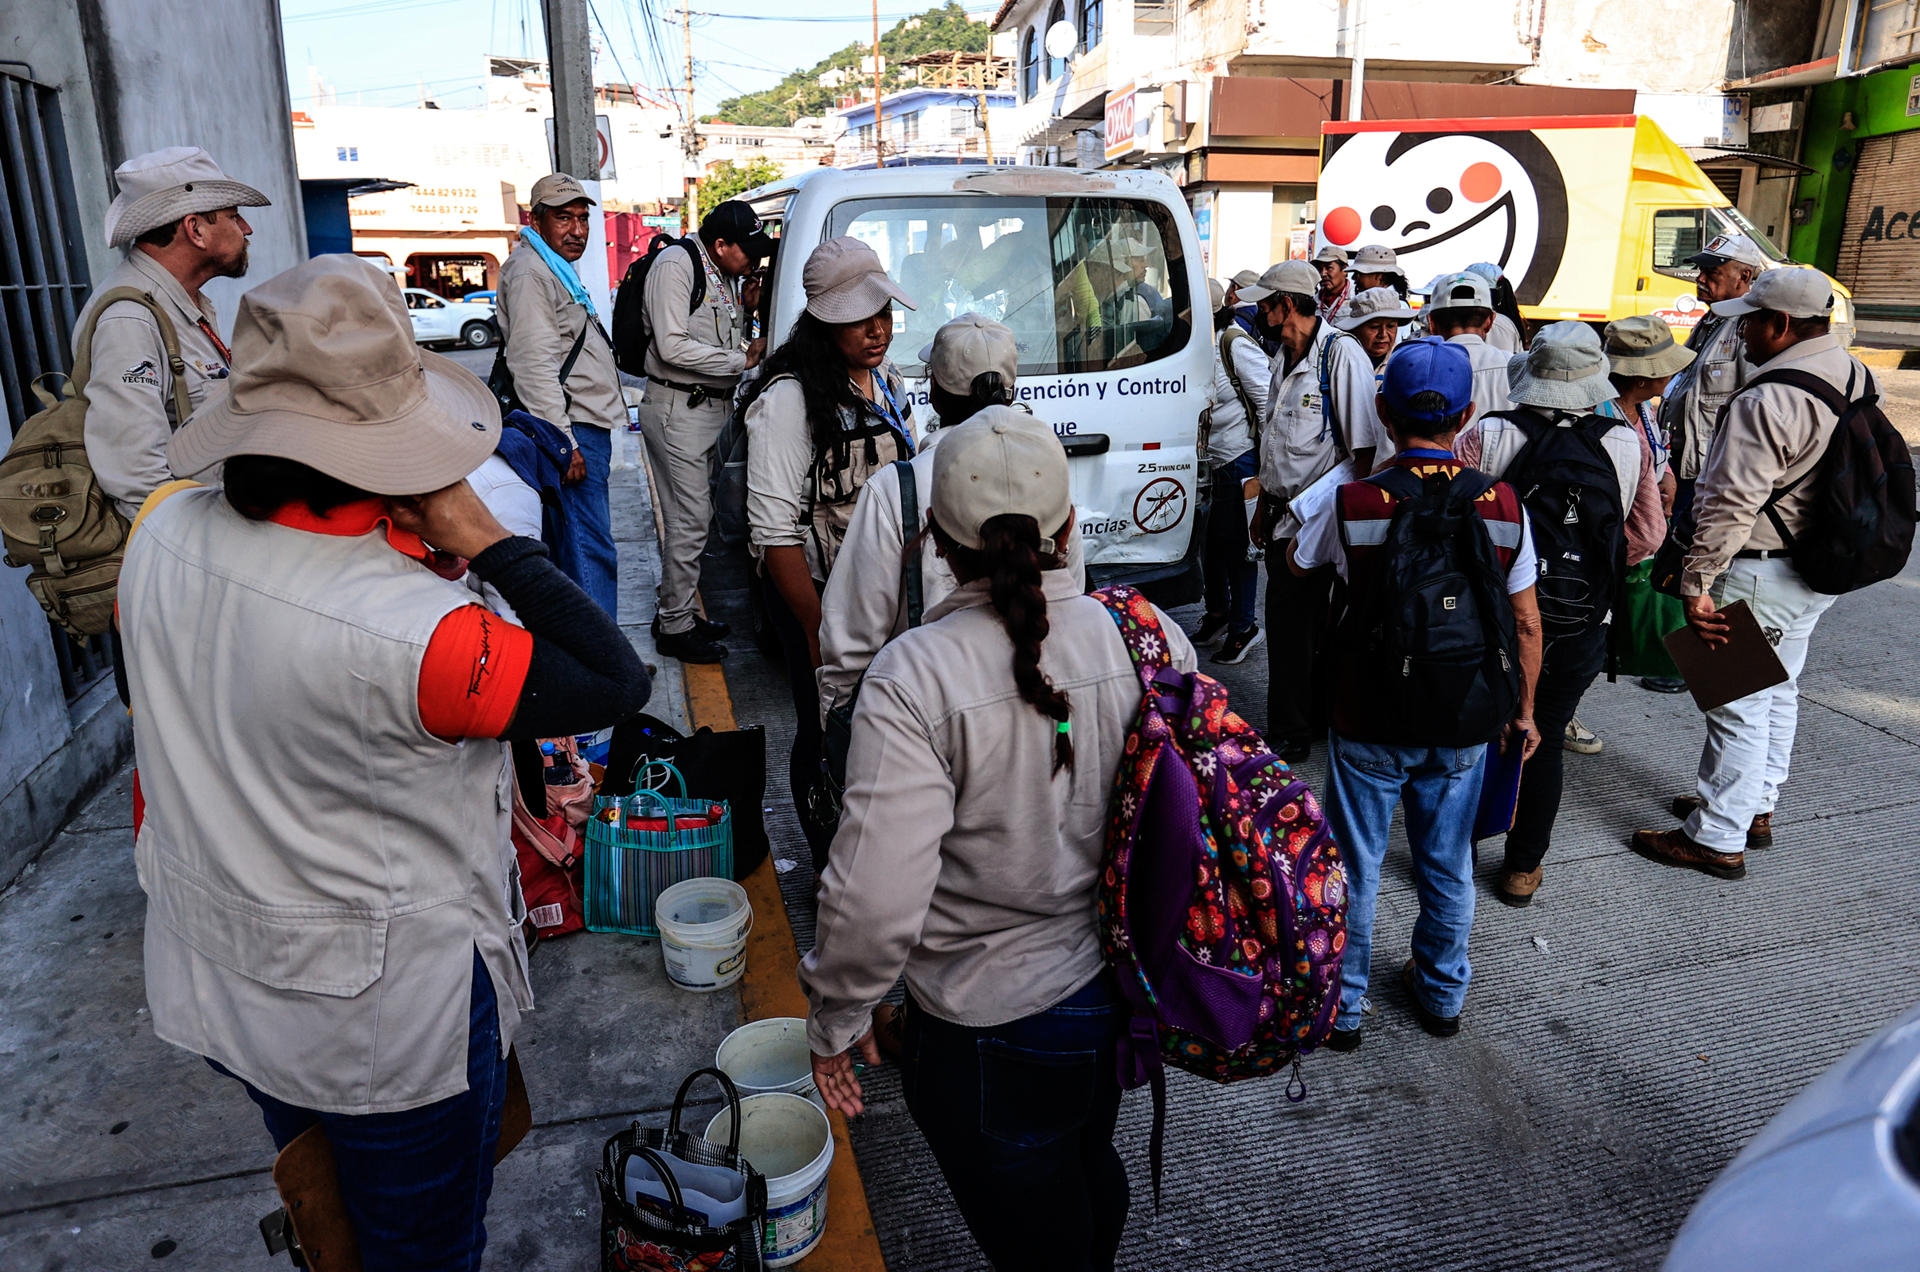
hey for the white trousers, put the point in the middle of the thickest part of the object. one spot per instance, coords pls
(1750, 742)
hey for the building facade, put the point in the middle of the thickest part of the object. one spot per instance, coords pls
(89, 84)
(927, 125)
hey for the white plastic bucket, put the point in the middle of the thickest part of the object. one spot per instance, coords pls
(703, 933)
(788, 1140)
(769, 1056)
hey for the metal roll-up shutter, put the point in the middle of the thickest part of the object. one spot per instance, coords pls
(1880, 245)
(1726, 180)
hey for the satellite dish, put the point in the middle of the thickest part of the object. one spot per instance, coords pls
(1061, 37)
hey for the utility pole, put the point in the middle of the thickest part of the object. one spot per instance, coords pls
(1357, 40)
(576, 143)
(692, 186)
(879, 144)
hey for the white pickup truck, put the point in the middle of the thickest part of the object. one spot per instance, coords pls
(1098, 274)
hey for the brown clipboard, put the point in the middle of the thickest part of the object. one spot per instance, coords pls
(1719, 674)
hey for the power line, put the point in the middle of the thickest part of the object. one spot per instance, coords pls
(394, 88)
(364, 9)
(764, 17)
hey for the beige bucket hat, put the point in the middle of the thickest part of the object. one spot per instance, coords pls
(162, 186)
(845, 282)
(1375, 302)
(325, 372)
(1643, 344)
(1565, 368)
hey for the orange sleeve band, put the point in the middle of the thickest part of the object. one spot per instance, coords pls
(471, 677)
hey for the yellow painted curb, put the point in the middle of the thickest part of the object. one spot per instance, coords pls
(770, 988)
(1888, 359)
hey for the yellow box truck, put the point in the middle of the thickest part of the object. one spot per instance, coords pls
(1591, 217)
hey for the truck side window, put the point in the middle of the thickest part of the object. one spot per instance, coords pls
(1678, 233)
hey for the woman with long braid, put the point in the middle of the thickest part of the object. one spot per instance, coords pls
(985, 745)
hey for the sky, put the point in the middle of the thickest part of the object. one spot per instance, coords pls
(385, 52)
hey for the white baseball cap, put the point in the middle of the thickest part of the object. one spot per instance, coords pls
(967, 347)
(1246, 278)
(1796, 291)
(1001, 462)
(1293, 277)
(1465, 290)
(1728, 247)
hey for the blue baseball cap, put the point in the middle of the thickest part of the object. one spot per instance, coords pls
(1428, 365)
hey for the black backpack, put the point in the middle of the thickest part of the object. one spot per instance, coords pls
(630, 334)
(1571, 491)
(1859, 527)
(1429, 652)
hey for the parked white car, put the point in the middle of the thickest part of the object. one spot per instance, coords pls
(437, 321)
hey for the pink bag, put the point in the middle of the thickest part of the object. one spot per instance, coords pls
(550, 848)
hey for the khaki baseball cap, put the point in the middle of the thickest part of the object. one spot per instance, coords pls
(1796, 291)
(326, 372)
(1643, 344)
(1329, 253)
(556, 190)
(1001, 462)
(1465, 290)
(969, 347)
(1246, 278)
(845, 282)
(1293, 277)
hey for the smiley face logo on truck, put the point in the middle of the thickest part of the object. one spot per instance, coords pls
(1444, 200)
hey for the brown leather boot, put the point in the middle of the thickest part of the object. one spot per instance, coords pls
(1516, 887)
(1759, 831)
(1674, 848)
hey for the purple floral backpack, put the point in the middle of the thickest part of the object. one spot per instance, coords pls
(1222, 899)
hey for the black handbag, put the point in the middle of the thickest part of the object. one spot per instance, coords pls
(731, 767)
(655, 1233)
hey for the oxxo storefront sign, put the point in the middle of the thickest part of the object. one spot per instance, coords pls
(1121, 138)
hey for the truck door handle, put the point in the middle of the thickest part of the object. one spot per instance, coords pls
(1640, 286)
(1086, 444)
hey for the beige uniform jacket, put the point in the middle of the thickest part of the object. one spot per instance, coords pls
(130, 392)
(1296, 446)
(1773, 436)
(961, 857)
(702, 347)
(865, 603)
(539, 322)
(1700, 389)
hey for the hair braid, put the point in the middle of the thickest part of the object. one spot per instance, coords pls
(1011, 557)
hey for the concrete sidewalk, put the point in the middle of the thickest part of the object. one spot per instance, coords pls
(122, 1150)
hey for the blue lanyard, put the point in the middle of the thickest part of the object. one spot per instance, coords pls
(895, 418)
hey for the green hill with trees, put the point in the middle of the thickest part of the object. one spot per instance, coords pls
(941, 29)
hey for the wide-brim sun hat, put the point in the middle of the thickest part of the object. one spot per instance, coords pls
(326, 373)
(1643, 345)
(1375, 302)
(845, 282)
(161, 186)
(1564, 369)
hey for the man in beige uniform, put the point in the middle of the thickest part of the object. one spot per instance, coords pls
(179, 218)
(1728, 265)
(562, 365)
(1772, 437)
(696, 354)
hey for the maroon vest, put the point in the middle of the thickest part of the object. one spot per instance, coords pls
(1363, 501)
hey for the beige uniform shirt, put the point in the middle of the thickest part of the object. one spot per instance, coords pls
(1773, 436)
(1296, 446)
(539, 322)
(1701, 388)
(705, 346)
(865, 604)
(961, 857)
(1490, 382)
(130, 414)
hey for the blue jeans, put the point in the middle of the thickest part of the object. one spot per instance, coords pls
(415, 1184)
(1441, 788)
(1020, 1118)
(588, 556)
(1232, 575)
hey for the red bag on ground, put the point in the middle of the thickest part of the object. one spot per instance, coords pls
(550, 849)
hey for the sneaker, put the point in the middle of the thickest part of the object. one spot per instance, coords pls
(690, 647)
(1581, 740)
(1344, 1040)
(1759, 830)
(1663, 684)
(708, 628)
(1437, 1025)
(1212, 627)
(1674, 848)
(1234, 648)
(1516, 887)
(1295, 752)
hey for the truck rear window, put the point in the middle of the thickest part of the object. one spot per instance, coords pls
(1086, 284)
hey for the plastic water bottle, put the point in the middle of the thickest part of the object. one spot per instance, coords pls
(559, 772)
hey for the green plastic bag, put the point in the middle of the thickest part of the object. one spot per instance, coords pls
(1646, 618)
